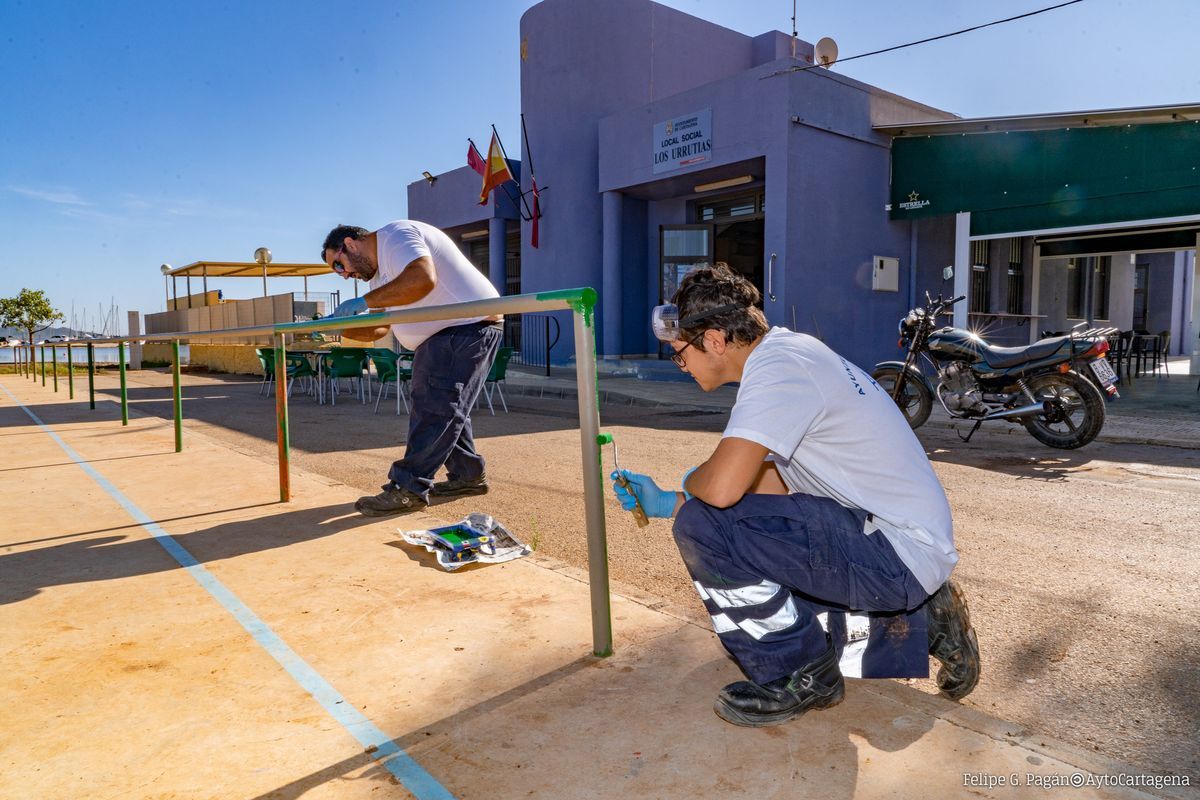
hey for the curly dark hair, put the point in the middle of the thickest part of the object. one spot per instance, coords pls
(334, 240)
(717, 288)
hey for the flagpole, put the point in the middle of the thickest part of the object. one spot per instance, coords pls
(528, 152)
(522, 201)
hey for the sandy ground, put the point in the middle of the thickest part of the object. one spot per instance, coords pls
(1079, 566)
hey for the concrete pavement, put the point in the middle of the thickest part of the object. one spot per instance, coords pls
(169, 630)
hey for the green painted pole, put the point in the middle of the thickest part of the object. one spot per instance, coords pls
(43, 365)
(178, 398)
(281, 419)
(91, 376)
(70, 375)
(124, 393)
(54, 365)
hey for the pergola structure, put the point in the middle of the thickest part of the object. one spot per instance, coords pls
(240, 269)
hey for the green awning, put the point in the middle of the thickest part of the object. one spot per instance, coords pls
(1029, 180)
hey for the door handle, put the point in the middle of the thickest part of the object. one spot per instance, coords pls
(771, 278)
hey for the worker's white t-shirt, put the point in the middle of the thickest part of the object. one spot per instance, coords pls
(833, 432)
(458, 281)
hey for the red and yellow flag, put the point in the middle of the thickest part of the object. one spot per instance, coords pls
(496, 170)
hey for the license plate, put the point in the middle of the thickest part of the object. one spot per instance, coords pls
(1103, 372)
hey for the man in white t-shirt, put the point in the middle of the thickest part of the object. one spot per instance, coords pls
(818, 502)
(411, 264)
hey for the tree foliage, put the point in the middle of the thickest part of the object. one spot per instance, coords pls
(30, 311)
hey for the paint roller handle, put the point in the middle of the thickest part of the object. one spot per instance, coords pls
(638, 512)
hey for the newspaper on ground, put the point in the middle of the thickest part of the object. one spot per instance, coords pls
(475, 539)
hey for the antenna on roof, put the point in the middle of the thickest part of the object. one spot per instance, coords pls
(793, 28)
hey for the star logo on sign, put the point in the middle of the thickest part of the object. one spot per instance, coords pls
(913, 197)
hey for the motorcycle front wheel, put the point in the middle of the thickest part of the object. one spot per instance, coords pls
(1076, 410)
(915, 401)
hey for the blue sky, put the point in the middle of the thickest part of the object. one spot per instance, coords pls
(138, 133)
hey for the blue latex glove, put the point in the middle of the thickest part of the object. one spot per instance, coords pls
(655, 502)
(350, 308)
(686, 494)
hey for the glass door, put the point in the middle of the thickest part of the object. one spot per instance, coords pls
(680, 248)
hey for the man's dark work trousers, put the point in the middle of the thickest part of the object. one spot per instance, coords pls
(769, 565)
(448, 372)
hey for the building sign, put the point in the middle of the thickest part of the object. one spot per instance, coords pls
(914, 203)
(683, 141)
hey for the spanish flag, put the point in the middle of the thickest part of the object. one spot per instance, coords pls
(496, 170)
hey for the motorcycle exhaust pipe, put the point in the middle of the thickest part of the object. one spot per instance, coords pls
(1023, 411)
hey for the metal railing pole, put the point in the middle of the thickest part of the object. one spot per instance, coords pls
(593, 487)
(178, 397)
(547, 341)
(70, 375)
(124, 392)
(54, 365)
(281, 419)
(43, 365)
(91, 376)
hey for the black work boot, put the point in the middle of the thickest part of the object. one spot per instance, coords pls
(392, 500)
(460, 488)
(952, 641)
(754, 705)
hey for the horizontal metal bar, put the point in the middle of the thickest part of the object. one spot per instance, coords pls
(560, 300)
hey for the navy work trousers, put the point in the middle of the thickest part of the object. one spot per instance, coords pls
(448, 373)
(767, 566)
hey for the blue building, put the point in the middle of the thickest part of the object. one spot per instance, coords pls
(663, 141)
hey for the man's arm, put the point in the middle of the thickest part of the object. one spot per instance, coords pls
(730, 472)
(414, 282)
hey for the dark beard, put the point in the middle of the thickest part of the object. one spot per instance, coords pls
(361, 266)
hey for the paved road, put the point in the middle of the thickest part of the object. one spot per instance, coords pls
(1079, 564)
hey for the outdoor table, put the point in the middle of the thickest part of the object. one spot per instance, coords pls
(319, 368)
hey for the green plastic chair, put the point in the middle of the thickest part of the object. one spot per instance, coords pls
(266, 357)
(388, 367)
(299, 367)
(496, 377)
(345, 362)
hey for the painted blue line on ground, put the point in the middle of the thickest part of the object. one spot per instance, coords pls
(399, 763)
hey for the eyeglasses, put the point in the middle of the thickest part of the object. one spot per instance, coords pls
(338, 267)
(677, 356)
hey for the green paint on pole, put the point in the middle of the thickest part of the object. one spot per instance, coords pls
(582, 301)
(91, 376)
(177, 395)
(282, 437)
(54, 365)
(70, 375)
(43, 365)
(124, 392)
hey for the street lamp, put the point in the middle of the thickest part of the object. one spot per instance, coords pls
(263, 256)
(165, 269)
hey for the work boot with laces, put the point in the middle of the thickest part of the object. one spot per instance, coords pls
(392, 500)
(952, 641)
(456, 487)
(818, 684)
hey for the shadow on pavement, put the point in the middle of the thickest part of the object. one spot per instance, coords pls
(25, 573)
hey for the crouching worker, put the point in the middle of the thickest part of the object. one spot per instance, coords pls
(817, 533)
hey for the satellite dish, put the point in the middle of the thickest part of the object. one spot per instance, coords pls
(826, 51)
(262, 255)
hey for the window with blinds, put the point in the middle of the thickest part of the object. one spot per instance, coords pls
(981, 300)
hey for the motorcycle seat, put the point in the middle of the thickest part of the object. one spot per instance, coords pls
(1005, 357)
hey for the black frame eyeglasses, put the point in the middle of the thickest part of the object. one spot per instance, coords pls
(677, 356)
(337, 266)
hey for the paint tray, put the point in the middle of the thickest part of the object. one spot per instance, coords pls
(477, 538)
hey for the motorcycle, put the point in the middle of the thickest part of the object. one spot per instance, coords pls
(1052, 387)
